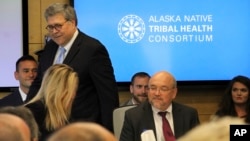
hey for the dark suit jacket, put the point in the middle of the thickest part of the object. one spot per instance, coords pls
(140, 118)
(13, 99)
(97, 93)
(128, 102)
(39, 112)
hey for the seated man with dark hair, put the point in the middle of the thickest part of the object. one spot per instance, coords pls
(26, 72)
(138, 88)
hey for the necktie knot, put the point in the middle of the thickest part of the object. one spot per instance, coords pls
(162, 114)
(167, 132)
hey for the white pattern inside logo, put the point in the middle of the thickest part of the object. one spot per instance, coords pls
(131, 29)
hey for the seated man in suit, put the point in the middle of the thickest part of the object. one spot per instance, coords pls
(146, 116)
(138, 88)
(26, 71)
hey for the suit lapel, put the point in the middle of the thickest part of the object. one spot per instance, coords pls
(148, 117)
(17, 97)
(178, 120)
(50, 53)
(74, 49)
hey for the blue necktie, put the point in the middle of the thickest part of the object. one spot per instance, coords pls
(60, 57)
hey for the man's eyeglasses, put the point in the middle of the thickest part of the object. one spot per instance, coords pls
(160, 89)
(55, 26)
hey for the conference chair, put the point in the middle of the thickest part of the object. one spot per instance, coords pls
(118, 119)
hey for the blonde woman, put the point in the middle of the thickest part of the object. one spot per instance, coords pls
(52, 104)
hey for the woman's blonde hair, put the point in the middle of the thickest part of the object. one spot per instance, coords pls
(57, 91)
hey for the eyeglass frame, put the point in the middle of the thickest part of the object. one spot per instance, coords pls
(55, 26)
(160, 89)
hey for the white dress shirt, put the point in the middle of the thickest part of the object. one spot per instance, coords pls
(158, 122)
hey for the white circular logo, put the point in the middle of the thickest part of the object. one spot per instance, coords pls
(131, 29)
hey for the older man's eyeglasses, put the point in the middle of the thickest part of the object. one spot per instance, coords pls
(160, 89)
(55, 26)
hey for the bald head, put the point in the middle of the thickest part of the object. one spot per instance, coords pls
(162, 90)
(215, 130)
(82, 131)
(164, 77)
(13, 128)
(26, 115)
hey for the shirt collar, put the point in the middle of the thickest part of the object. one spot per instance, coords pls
(169, 109)
(69, 44)
(23, 95)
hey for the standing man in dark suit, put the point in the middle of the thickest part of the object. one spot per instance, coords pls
(162, 91)
(25, 73)
(97, 93)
